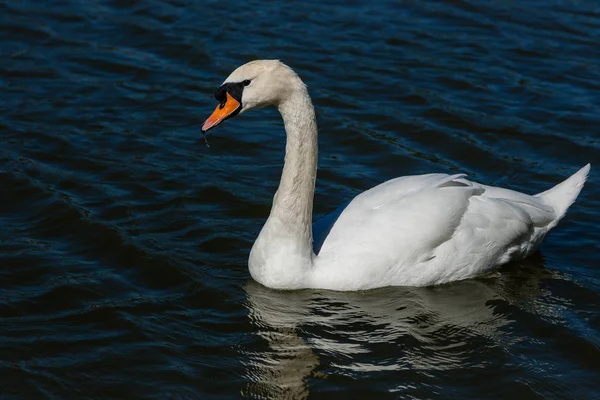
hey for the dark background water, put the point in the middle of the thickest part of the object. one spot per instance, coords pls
(124, 239)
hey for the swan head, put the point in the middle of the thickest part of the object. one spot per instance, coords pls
(256, 84)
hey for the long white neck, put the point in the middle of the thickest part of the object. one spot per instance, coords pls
(293, 202)
(282, 255)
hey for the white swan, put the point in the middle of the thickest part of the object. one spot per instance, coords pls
(409, 231)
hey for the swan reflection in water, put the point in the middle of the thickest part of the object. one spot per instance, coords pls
(413, 332)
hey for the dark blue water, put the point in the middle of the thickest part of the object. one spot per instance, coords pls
(124, 239)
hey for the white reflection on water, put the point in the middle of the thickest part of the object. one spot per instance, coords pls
(419, 330)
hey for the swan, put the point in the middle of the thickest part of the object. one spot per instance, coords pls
(409, 231)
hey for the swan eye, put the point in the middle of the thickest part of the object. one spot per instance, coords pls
(247, 82)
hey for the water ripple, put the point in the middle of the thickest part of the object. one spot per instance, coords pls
(126, 239)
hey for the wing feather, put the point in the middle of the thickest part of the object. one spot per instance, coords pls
(427, 229)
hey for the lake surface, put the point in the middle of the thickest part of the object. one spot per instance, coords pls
(124, 240)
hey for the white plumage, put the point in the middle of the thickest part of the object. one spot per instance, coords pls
(430, 229)
(412, 231)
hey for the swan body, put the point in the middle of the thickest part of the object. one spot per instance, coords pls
(409, 231)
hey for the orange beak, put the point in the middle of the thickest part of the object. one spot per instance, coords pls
(221, 113)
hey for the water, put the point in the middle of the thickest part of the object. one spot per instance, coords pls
(125, 238)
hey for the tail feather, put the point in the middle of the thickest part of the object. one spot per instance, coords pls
(561, 196)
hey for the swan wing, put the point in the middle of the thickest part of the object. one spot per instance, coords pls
(427, 229)
(374, 198)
